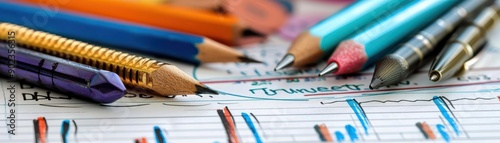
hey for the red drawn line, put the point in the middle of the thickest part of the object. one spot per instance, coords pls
(408, 88)
(428, 131)
(232, 128)
(42, 128)
(498, 98)
(326, 133)
(315, 76)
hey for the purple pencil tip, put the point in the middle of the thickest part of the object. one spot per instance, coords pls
(107, 87)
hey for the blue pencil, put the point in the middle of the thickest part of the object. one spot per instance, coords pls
(321, 39)
(184, 47)
(367, 46)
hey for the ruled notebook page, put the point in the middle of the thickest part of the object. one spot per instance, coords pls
(257, 104)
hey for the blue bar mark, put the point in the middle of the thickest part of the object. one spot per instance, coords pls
(160, 138)
(443, 133)
(65, 130)
(359, 113)
(250, 124)
(351, 131)
(339, 136)
(318, 130)
(440, 104)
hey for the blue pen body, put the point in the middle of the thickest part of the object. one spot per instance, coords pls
(339, 26)
(103, 32)
(381, 38)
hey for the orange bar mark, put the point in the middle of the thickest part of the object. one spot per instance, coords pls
(232, 128)
(144, 140)
(428, 131)
(326, 133)
(42, 128)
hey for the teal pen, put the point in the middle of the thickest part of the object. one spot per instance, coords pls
(367, 46)
(321, 39)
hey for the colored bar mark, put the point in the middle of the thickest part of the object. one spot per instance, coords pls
(258, 123)
(440, 104)
(351, 131)
(223, 119)
(232, 125)
(441, 130)
(42, 129)
(340, 137)
(360, 113)
(419, 126)
(320, 135)
(326, 133)
(160, 138)
(498, 97)
(250, 124)
(76, 130)
(36, 130)
(144, 140)
(65, 131)
(428, 131)
(137, 141)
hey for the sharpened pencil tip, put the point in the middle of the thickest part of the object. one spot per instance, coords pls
(246, 59)
(287, 61)
(205, 90)
(331, 68)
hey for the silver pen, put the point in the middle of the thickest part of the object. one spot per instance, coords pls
(399, 65)
(464, 44)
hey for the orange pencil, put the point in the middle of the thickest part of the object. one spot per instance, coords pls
(225, 28)
(198, 4)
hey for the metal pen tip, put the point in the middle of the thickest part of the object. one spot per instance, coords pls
(287, 61)
(332, 67)
(376, 83)
(205, 90)
(434, 77)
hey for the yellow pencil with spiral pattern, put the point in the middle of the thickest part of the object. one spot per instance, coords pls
(134, 71)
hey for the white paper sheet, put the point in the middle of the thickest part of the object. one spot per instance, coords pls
(282, 106)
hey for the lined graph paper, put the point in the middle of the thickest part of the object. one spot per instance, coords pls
(258, 104)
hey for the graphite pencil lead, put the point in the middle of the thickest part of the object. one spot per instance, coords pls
(205, 90)
(331, 68)
(287, 61)
(246, 59)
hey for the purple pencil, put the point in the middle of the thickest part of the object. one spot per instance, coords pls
(60, 75)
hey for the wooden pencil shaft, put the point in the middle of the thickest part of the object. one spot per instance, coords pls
(133, 70)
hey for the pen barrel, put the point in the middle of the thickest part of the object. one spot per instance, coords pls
(59, 74)
(415, 50)
(134, 71)
(465, 43)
